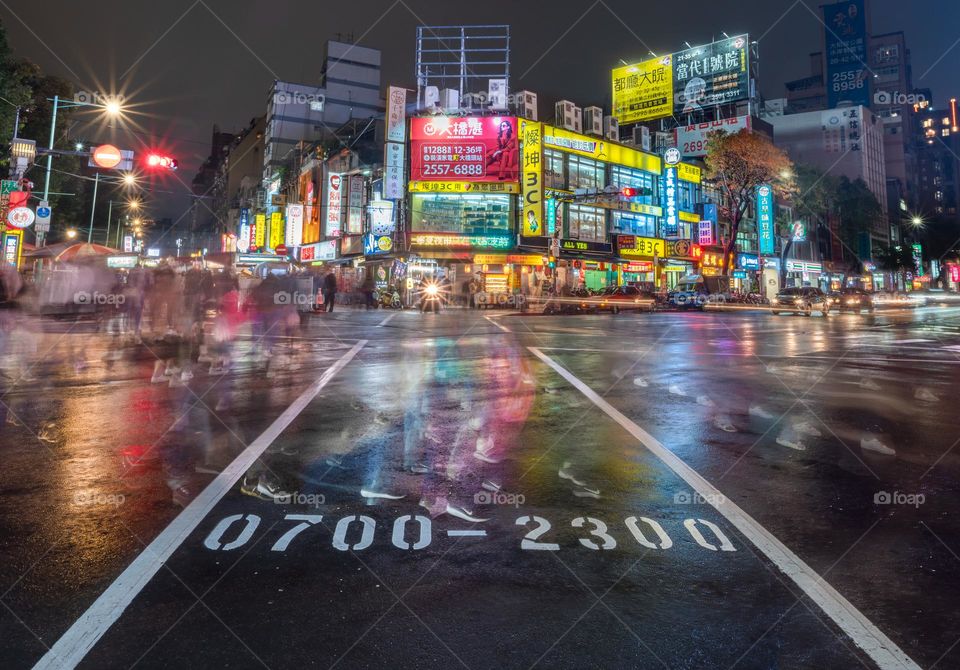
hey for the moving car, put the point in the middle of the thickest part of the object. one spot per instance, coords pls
(625, 298)
(800, 300)
(854, 300)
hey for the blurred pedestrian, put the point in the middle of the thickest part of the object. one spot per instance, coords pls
(368, 287)
(329, 291)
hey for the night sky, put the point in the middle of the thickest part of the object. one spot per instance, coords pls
(187, 64)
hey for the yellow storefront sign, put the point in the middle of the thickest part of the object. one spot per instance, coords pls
(531, 135)
(260, 238)
(599, 149)
(276, 230)
(631, 246)
(643, 91)
(463, 187)
(689, 217)
(501, 259)
(688, 173)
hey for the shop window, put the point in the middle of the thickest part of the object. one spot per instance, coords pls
(634, 224)
(467, 214)
(585, 173)
(586, 223)
(553, 172)
(688, 195)
(621, 176)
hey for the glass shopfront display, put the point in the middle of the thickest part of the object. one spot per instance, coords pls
(629, 223)
(638, 179)
(585, 173)
(467, 214)
(586, 223)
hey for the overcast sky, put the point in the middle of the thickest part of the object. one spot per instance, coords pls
(188, 64)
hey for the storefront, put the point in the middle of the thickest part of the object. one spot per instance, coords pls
(806, 273)
(746, 276)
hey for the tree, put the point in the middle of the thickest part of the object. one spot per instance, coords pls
(738, 163)
(814, 199)
(897, 259)
(859, 212)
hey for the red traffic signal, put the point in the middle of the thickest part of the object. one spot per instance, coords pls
(628, 192)
(162, 162)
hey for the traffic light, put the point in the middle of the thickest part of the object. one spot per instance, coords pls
(551, 262)
(162, 162)
(631, 192)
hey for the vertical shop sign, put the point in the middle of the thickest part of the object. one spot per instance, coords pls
(532, 175)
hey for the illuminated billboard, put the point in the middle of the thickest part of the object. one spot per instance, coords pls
(464, 148)
(643, 91)
(683, 82)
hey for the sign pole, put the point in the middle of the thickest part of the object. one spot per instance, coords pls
(93, 208)
(41, 237)
(109, 218)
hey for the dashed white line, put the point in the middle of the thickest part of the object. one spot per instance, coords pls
(387, 320)
(498, 325)
(80, 638)
(884, 652)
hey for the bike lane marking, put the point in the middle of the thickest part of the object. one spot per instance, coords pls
(80, 638)
(881, 649)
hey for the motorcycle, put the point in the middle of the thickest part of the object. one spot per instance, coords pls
(389, 297)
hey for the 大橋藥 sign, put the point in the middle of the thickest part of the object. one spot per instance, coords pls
(464, 148)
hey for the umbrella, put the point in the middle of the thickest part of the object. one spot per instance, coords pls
(84, 251)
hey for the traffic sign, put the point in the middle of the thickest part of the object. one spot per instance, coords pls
(20, 217)
(106, 156)
(43, 217)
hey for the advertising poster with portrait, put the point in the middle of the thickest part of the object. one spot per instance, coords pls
(710, 75)
(464, 148)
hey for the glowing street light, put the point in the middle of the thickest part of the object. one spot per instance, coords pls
(129, 179)
(71, 233)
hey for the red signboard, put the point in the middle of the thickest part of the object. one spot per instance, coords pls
(468, 148)
(955, 274)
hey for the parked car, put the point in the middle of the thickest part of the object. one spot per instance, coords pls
(800, 300)
(854, 300)
(625, 298)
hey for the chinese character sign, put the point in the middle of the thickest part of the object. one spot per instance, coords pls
(643, 91)
(671, 214)
(259, 230)
(765, 219)
(276, 229)
(243, 232)
(711, 75)
(464, 148)
(845, 40)
(532, 179)
(293, 236)
(332, 228)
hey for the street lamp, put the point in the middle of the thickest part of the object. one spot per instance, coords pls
(129, 179)
(112, 108)
(71, 233)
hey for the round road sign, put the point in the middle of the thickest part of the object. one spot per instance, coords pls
(107, 156)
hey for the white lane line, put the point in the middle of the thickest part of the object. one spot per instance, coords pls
(387, 320)
(884, 652)
(501, 327)
(466, 533)
(80, 638)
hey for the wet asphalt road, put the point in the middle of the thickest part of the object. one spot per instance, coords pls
(473, 492)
